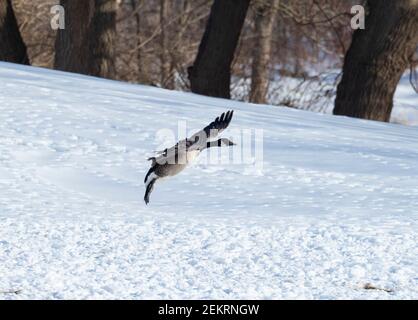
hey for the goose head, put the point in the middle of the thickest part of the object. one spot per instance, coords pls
(224, 142)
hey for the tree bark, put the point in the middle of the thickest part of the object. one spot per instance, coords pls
(264, 23)
(211, 72)
(178, 49)
(102, 39)
(71, 49)
(142, 74)
(376, 60)
(165, 63)
(12, 47)
(87, 43)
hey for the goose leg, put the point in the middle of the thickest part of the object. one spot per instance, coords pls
(150, 187)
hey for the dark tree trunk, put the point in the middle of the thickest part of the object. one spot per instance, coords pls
(102, 39)
(71, 49)
(264, 23)
(166, 65)
(12, 47)
(86, 45)
(211, 72)
(376, 60)
(142, 72)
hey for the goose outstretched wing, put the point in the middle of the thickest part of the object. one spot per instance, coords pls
(214, 128)
(209, 132)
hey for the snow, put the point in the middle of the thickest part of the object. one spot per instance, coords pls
(405, 109)
(332, 209)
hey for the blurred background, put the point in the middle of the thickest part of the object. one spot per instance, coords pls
(288, 52)
(157, 40)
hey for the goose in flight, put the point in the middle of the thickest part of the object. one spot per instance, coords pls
(171, 161)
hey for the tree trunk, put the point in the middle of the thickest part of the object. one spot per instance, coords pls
(142, 72)
(178, 49)
(376, 60)
(211, 72)
(71, 49)
(264, 23)
(86, 45)
(12, 47)
(102, 39)
(165, 63)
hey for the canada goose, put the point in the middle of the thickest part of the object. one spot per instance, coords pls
(171, 161)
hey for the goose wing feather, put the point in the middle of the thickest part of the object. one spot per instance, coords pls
(209, 132)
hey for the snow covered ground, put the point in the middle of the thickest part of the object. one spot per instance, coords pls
(334, 207)
(405, 109)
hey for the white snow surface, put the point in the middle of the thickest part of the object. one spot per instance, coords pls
(334, 207)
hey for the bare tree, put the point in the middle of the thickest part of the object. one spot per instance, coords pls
(377, 58)
(142, 76)
(71, 46)
(12, 48)
(86, 45)
(141, 53)
(166, 65)
(308, 39)
(211, 72)
(265, 13)
(102, 39)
